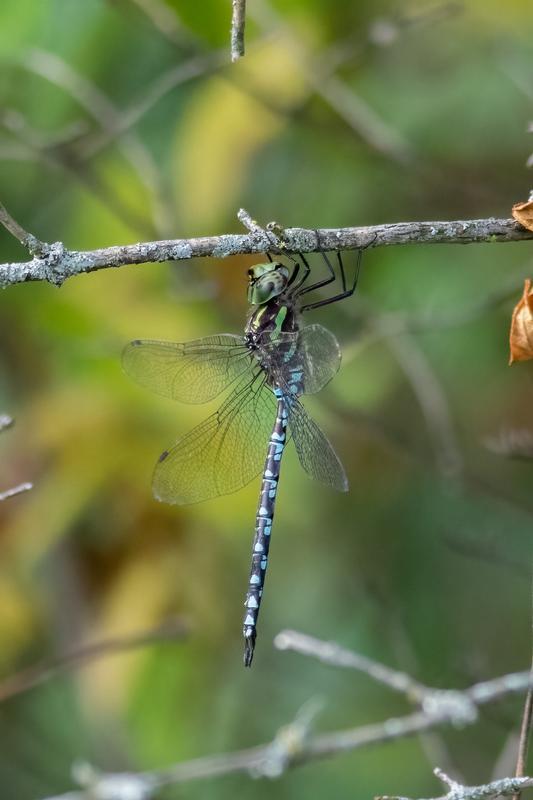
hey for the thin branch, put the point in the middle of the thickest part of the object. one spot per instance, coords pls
(434, 744)
(22, 487)
(33, 676)
(7, 421)
(525, 734)
(525, 728)
(431, 398)
(165, 19)
(456, 706)
(294, 746)
(202, 61)
(396, 323)
(238, 22)
(444, 703)
(514, 443)
(337, 656)
(347, 104)
(33, 145)
(109, 117)
(500, 788)
(26, 239)
(59, 263)
(362, 118)
(195, 67)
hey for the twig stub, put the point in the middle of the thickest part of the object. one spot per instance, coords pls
(238, 22)
(27, 240)
(15, 490)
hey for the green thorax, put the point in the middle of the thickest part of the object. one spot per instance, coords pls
(273, 311)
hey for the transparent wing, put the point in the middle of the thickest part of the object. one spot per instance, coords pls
(315, 453)
(321, 357)
(313, 350)
(224, 452)
(192, 372)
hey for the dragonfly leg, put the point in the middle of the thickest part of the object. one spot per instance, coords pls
(343, 274)
(294, 274)
(331, 276)
(345, 292)
(307, 270)
(330, 279)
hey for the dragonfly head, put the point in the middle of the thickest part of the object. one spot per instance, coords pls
(266, 281)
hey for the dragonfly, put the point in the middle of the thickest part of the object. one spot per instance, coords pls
(265, 372)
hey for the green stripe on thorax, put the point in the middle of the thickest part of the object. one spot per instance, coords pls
(279, 319)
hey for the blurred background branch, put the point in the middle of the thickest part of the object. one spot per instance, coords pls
(527, 720)
(238, 22)
(295, 745)
(15, 490)
(26, 239)
(503, 787)
(5, 420)
(29, 678)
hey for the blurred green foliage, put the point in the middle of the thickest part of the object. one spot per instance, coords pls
(424, 564)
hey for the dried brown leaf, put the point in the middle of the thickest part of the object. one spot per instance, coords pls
(523, 213)
(521, 335)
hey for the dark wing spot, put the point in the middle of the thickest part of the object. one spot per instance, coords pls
(163, 455)
(136, 342)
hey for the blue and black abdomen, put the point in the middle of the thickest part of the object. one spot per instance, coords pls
(266, 507)
(263, 528)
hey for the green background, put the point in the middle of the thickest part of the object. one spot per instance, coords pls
(425, 563)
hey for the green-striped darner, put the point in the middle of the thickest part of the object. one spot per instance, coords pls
(268, 369)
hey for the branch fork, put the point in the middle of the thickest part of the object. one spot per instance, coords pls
(5, 423)
(500, 788)
(295, 744)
